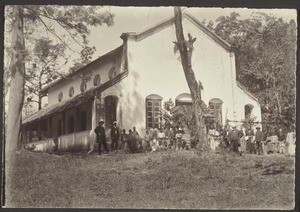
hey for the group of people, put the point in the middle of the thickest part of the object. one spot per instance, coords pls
(238, 141)
(246, 141)
(131, 140)
(154, 140)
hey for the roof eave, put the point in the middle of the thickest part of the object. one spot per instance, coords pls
(103, 57)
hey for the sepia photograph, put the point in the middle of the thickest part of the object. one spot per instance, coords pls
(173, 107)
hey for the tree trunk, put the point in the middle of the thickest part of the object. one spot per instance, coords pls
(16, 93)
(194, 86)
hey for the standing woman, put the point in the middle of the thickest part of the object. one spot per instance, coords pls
(135, 137)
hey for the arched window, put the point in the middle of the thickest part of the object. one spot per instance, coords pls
(82, 86)
(60, 96)
(97, 80)
(71, 91)
(216, 105)
(153, 110)
(183, 99)
(111, 103)
(248, 110)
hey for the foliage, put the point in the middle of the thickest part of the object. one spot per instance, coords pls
(249, 121)
(54, 35)
(65, 28)
(174, 116)
(265, 60)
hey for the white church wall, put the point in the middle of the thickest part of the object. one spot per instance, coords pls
(99, 68)
(155, 69)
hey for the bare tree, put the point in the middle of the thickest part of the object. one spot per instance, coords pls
(185, 48)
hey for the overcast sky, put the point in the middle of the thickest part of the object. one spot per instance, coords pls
(137, 19)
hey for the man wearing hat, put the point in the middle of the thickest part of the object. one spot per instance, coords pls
(101, 138)
(115, 134)
(259, 137)
(233, 137)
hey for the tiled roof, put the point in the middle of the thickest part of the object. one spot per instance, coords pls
(73, 102)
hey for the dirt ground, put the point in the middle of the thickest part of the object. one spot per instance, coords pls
(169, 179)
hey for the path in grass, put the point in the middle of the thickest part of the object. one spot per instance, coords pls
(182, 179)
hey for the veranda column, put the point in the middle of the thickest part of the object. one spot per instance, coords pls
(63, 123)
(39, 130)
(30, 133)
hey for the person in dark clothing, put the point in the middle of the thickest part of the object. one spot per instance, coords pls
(233, 137)
(259, 136)
(225, 142)
(250, 147)
(101, 138)
(115, 135)
(130, 141)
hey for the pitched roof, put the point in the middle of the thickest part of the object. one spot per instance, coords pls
(169, 22)
(248, 92)
(101, 58)
(73, 102)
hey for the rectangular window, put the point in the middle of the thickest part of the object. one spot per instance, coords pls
(153, 118)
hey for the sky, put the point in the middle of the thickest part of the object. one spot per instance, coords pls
(137, 19)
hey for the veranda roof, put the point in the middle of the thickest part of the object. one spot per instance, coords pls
(73, 102)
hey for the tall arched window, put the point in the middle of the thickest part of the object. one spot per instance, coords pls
(216, 105)
(248, 110)
(153, 110)
(111, 103)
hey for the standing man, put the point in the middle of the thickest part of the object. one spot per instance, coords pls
(250, 147)
(259, 137)
(101, 138)
(233, 137)
(115, 135)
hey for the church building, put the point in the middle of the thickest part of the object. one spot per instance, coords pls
(130, 84)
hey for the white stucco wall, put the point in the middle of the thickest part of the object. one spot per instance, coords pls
(155, 69)
(100, 68)
(244, 99)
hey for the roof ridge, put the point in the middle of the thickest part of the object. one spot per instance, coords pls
(138, 36)
(81, 68)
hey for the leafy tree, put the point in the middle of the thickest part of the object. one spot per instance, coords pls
(43, 67)
(74, 21)
(265, 61)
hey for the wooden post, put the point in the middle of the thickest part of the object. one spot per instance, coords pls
(75, 120)
(39, 130)
(99, 107)
(30, 133)
(63, 123)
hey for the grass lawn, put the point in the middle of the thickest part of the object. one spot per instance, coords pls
(169, 179)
